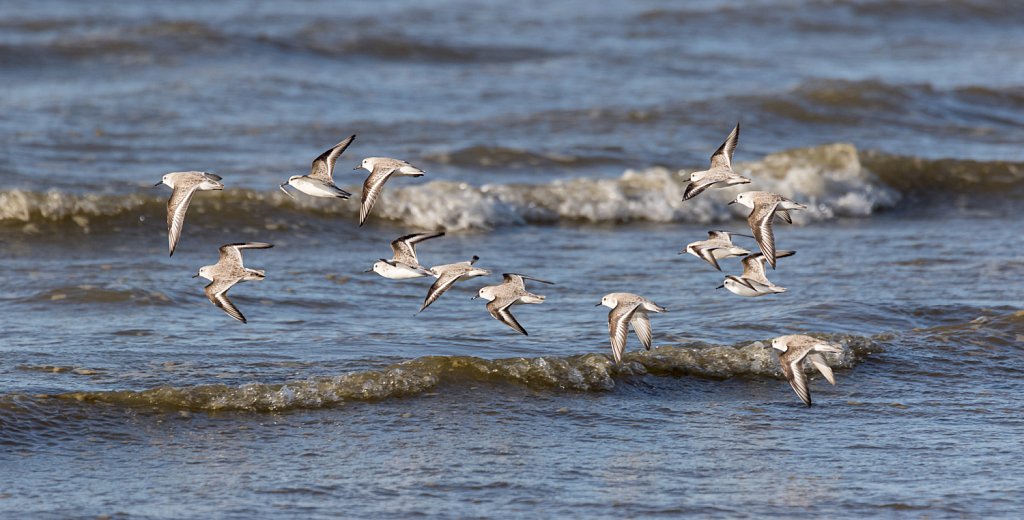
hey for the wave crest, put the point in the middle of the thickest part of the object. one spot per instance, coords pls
(580, 373)
(830, 179)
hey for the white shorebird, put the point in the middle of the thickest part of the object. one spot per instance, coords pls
(381, 169)
(185, 185)
(753, 282)
(717, 247)
(793, 350)
(447, 275)
(320, 181)
(403, 263)
(763, 206)
(511, 291)
(720, 171)
(628, 309)
(227, 272)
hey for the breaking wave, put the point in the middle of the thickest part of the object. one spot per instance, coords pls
(580, 373)
(833, 180)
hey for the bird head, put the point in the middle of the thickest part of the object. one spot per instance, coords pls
(205, 273)
(486, 293)
(609, 300)
(779, 345)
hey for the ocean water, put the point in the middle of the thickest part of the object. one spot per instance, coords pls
(557, 139)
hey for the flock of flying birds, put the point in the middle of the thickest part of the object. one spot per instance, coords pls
(627, 309)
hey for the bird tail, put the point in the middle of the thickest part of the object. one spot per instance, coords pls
(533, 298)
(255, 274)
(410, 171)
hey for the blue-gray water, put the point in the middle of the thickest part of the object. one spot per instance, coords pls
(556, 139)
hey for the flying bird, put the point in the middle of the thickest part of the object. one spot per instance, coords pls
(628, 309)
(403, 263)
(720, 171)
(753, 282)
(185, 185)
(793, 350)
(227, 272)
(447, 275)
(511, 291)
(320, 181)
(718, 246)
(763, 206)
(381, 169)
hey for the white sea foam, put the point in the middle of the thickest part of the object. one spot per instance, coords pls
(830, 179)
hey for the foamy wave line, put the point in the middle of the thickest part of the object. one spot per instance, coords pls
(829, 179)
(582, 373)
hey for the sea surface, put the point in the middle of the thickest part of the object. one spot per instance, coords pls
(557, 140)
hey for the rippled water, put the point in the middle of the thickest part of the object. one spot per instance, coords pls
(556, 139)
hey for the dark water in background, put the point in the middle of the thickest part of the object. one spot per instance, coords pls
(553, 136)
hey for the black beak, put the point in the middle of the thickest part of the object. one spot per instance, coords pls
(733, 202)
(475, 297)
(195, 275)
(158, 184)
(370, 270)
(358, 167)
(598, 305)
(720, 286)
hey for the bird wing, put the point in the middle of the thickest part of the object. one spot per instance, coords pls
(404, 247)
(720, 235)
(217, 292)
(372, 188)
(760, 221)
(177, 205)
(440, 286)
(794, 372)
(502, 313)
(516, 279)
(784, 215)
(618, 327)
(708, 254)
(818, 361)
(323, 166)
(232, 253)
(642, 326)
(753, 268)
(696, 188)
(723, 155)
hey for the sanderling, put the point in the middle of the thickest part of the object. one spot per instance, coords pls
(320, 181)
(227, 272)
(720, 170)
(718, 246)
(763, 206)
(403, 263)
(792, 351)
(628, 309)
(184, 184)
(753, 281)
(381, 169)
(511, 291)
(447, 275)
